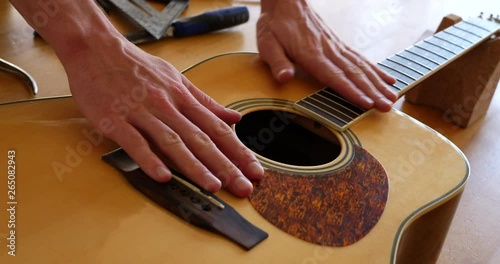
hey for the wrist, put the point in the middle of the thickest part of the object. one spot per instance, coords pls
(72, 28)
(82, 43)
(82, 33)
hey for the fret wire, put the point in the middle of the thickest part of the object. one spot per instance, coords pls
(336, 109)
(398, 82)
(493, 26)
(455, 45)
(465, 30)
(396, 88)
(414, 61)
(349, 113)
(396, 70)
(463, 34)
(316, 111)
(322, 113)
(405, 66)
(478, 26)
(447, 41)
(430, 51)
(342, 101)
(329, 90)
(399, 79)
(327, 101)
(421, 56)
(457, 36)
(329, 109)
(433, 44)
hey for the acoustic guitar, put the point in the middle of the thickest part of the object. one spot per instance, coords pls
(342, 185)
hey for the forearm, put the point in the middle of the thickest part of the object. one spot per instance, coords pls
(70, 27)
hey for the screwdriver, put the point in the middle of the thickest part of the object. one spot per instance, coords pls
(203, 23)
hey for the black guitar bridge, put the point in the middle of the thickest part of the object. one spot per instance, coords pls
(189, 202)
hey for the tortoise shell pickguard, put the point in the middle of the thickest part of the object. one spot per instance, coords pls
(335, 208)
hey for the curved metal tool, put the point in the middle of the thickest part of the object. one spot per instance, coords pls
(14, 69)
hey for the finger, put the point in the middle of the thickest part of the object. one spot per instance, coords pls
(358, 75)
(201, 145)
(385, 96)
(171, 146)
(381, 85)
(387, 78)
(243, 162)
(372, 77)
(229, 116)
(239, 185)
(272, 52)
(138, 149)
(335, 78)
(227, 141)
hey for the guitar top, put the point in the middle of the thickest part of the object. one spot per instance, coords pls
(74, 208)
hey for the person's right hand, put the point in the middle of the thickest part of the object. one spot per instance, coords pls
(145, 105)
(290, 33)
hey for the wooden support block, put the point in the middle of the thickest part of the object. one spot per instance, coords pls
(463, 89)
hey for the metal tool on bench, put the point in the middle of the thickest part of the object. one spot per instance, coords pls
(196, 25)
(154, 22)
(162, 24)
(16, 70)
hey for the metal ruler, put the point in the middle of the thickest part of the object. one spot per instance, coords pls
(153, 21)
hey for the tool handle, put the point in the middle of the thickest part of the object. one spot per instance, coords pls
(210, 21)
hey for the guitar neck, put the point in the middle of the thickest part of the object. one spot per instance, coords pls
(409, 67)
(421, 60)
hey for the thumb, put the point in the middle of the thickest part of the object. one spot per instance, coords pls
(273, 54)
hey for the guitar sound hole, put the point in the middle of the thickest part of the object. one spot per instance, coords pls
(287, 138)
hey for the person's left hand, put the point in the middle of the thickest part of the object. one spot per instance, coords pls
(289, 31)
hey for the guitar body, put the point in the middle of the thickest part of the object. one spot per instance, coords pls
(74, 208)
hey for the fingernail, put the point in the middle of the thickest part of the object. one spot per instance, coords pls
(212, 184)
(163, 173)
(242, 184)
(224, 178)
(387, 101)
(367, 100)
(233, 111)
(394, 98)
(285, 74)
(256, 169)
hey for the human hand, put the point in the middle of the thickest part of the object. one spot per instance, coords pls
(289, 31)
(154, 113)
(142, 102)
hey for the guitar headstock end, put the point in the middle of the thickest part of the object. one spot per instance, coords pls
(490, 18)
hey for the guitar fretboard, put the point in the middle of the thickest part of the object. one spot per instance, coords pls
(409, 67)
